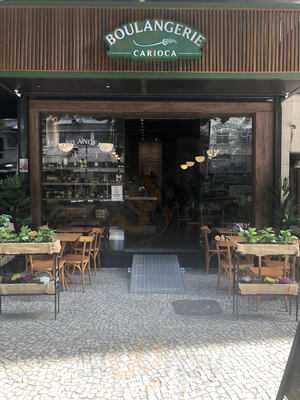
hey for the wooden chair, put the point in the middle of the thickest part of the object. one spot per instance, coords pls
(80, 261)
(208, 251)
(46, 264)
(225, 262)
(96, 248)
(227, 259)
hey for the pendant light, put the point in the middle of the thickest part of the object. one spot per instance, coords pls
(65, 147)
(190, 163)
(108, 146)
(200, 159)
(184, 166)
(212, 152)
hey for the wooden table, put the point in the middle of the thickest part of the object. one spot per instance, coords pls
(74, 229)
(225, 231)
(68, 236)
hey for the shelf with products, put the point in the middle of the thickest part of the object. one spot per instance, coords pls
(77, 167)
(78, 184)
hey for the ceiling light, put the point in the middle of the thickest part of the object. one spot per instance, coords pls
(107, 86)
(183, 166)
(200, 159)
(106, 147)
(18, 93)
(190, 163)
(65, 147)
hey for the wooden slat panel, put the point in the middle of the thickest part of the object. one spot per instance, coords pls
(71, 39)
(131, 108)
(264, 167)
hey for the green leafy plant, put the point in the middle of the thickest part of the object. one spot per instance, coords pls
(45, 235)
(7, 235)
(25, 234)
(286, 236)
(267, 235)
(249, 235)
(5, 220)
(14, 199)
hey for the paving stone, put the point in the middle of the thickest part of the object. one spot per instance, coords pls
(111, 345)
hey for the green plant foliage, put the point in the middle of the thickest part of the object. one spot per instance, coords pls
(7, 234)
(14, 199)
(25, 234)
(5, 220)
(286, 236)
(267, 235)
(45, 235)
(249, 235)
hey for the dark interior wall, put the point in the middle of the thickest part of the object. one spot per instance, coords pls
(8, 108)
(179, 139)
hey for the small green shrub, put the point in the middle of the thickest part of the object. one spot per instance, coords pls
(25, 234)
(45, 235)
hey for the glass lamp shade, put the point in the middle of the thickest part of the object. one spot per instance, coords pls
(190, 163)
(184, 166)
(200, 159)
(212, 153)
(106, 147)
(65, 147)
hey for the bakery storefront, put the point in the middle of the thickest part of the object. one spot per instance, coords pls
(150, 119)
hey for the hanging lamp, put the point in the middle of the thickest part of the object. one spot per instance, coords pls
(199, 159)
(190, 163)
(184, 166)
(107, 147)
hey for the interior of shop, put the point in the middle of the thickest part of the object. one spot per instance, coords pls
(151, 182)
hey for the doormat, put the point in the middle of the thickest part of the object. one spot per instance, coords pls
(197, 307)
(156, 273)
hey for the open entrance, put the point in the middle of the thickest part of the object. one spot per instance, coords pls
(94, 163)
(184, 173)
(152, 182)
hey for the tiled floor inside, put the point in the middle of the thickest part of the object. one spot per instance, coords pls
(109, 344)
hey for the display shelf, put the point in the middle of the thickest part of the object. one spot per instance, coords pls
(289, 251)
(83, 170)
(30, 288)
(79, 184)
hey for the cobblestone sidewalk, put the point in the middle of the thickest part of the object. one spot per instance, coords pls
(108, 344)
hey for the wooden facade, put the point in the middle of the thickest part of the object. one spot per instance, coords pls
(71, 39)
(263, 144)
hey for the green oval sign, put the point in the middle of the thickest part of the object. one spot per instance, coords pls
(155, 39)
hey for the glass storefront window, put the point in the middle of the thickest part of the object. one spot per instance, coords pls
(8, 147)
(83, 166)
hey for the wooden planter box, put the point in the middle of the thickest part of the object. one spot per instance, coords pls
(268, 249)
(26, 288)
(13, 248)
(290, 289)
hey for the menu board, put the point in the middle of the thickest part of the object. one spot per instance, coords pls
(290, 384)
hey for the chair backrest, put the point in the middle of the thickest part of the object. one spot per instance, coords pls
(225, 247)
(87, 244)
(97, 232)
(205, 232)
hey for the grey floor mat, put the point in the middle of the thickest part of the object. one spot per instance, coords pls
(197, 307)
(156, 274)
